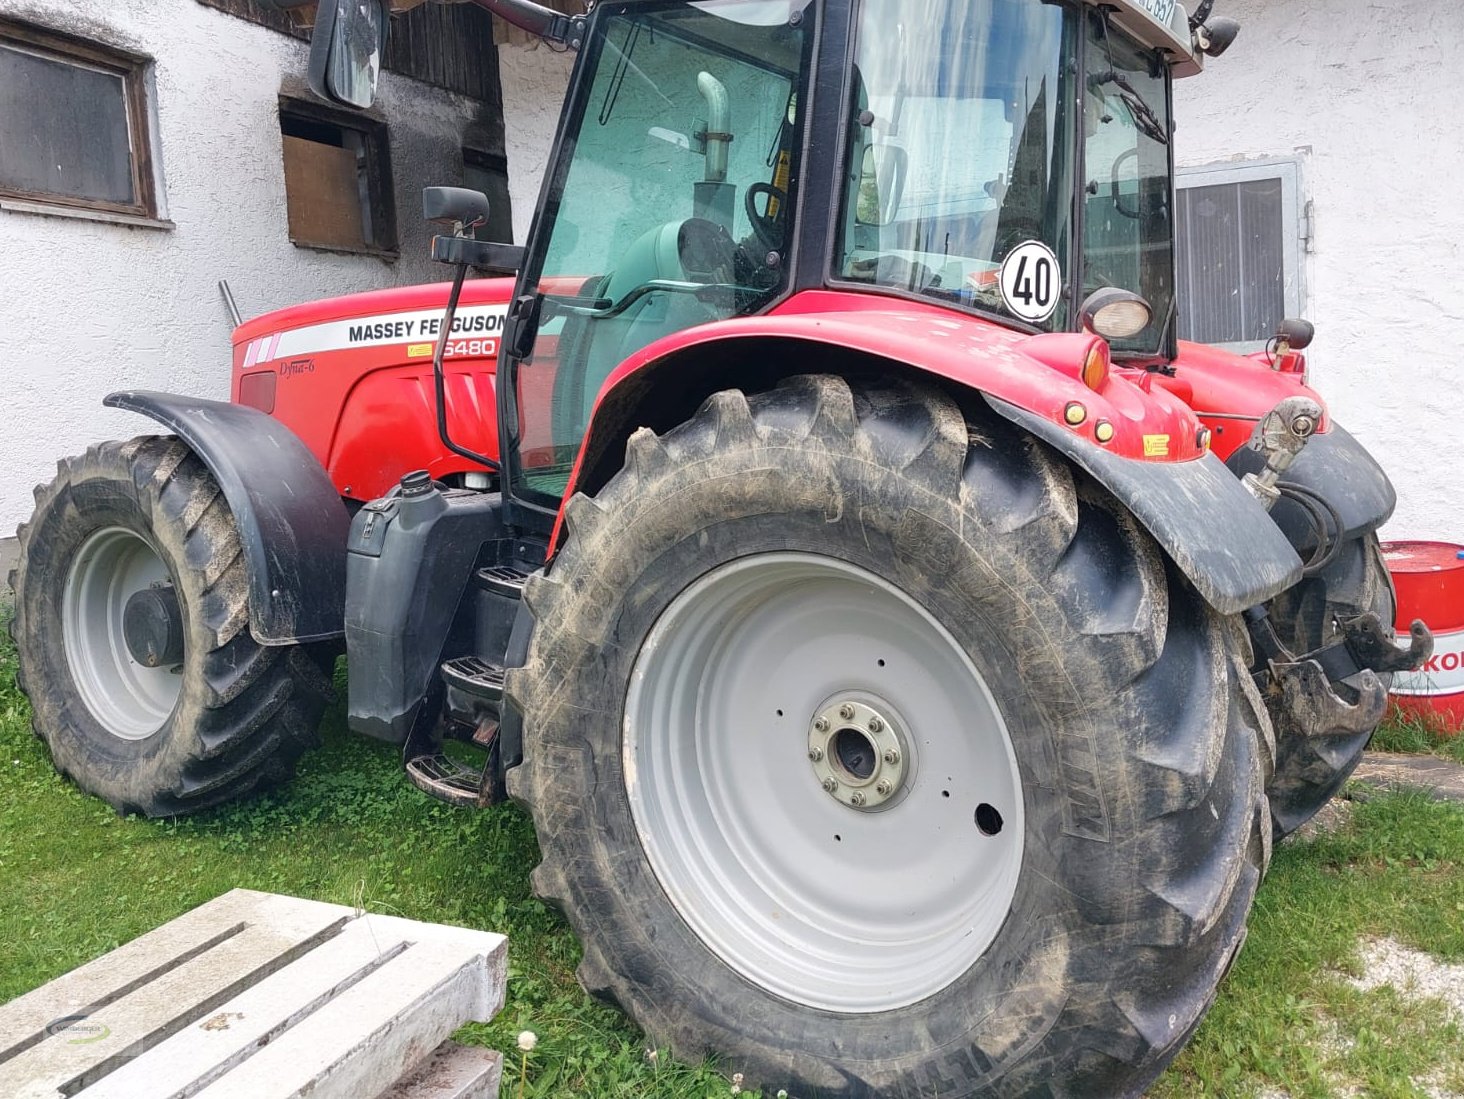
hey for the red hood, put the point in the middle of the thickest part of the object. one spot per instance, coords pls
(398, 299)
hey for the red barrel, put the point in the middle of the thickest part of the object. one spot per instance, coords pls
(1429, 577)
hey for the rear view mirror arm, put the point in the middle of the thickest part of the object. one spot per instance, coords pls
(550, 25)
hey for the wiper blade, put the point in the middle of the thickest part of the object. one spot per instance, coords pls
(1144, 117)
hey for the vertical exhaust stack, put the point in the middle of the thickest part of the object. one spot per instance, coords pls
(715, 198)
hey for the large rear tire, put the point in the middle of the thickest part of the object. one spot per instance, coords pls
(1046, 895)
(227, 716)
(1313, 764)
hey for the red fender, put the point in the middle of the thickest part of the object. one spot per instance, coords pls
(1041, 374)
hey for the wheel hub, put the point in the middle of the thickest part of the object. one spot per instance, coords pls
(152, 626)
(859, 752)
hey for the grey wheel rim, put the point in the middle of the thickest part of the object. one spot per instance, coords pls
(130, 701)
(846, 904)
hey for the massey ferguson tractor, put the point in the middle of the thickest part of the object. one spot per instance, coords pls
(907, 649)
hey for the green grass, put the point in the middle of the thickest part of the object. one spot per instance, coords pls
(76, 880)
(1418, 734)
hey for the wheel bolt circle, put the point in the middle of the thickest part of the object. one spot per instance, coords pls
(883, 788)
(876, 725)
(846, 711)
(815, 754)
(856, 798)
(830, 785)
(892, 756)
(821, 724)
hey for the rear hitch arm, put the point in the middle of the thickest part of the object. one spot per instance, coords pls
(1335, 687)
(1371, 646)
(1312, 705)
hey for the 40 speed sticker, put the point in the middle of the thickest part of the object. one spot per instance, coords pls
(1031, 281)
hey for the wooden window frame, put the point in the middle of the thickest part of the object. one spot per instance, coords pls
(133, 71)
(381, 186)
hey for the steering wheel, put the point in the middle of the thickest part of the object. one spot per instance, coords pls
(769, 230)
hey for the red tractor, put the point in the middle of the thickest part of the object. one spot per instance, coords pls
(907, 648)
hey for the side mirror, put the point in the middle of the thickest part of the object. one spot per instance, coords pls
(346, 49)
(460, 205)
(881, 184)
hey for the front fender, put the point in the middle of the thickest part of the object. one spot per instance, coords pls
(1214, 530)
(292, 523)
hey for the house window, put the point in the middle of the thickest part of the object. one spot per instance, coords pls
(488, 172)
(73, 124)
(1240, 241)
(338, 192)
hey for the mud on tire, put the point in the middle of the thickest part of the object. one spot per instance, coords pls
(1313, 764)
(243, 713)
(1141, 746)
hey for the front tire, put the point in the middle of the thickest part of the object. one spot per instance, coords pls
(1050, 893)
(223, 717)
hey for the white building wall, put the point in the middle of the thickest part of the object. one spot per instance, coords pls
(87, 308)
(1366, 95)
(534, 79)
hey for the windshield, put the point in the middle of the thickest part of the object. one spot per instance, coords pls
(1128, 226)
(673, 210)
(959, 156)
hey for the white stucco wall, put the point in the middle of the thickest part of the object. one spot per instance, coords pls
(534, 79)
(1366, 95)
(87, 308)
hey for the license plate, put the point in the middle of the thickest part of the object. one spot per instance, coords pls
(1162, 10)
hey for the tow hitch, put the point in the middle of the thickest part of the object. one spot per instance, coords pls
(1335, 687)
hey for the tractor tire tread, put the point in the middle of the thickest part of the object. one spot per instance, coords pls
(246, 712)
(1174, 889)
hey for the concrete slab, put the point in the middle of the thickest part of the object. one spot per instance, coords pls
(1441, 778)
(258, 996)
(452, 1072)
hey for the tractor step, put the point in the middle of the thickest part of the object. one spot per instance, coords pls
(475, 676)
(503, 580)
(448, 780)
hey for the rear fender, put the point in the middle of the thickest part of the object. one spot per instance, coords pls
(292, 523)
(1216, 533)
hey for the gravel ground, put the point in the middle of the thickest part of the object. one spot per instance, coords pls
(1413, 974)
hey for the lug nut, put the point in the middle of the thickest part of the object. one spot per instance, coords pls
(815, 754)
(884, 788)
(856, 798)
(876, 725)
(892, 757)
(821, 724)
(830, 785)
(846, 711)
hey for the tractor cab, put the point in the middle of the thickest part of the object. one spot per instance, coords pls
(1003, 159)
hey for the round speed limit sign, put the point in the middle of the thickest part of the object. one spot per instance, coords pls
(1031, 281)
